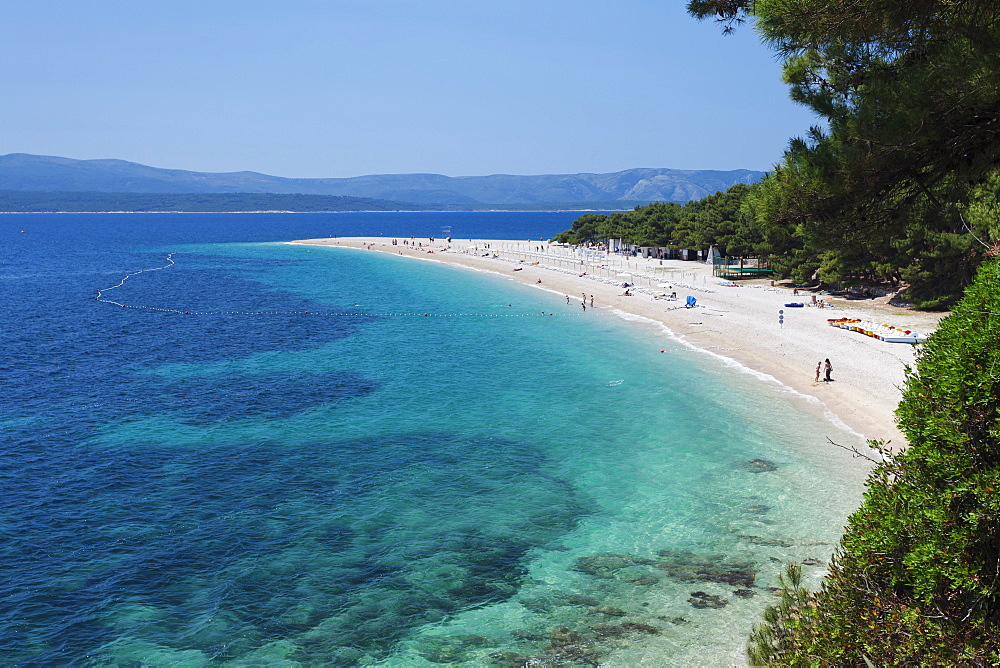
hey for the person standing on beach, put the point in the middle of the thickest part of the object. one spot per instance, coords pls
(591, 301)
(567, 301)
(819, 365)
(828, 369)
(584, 304)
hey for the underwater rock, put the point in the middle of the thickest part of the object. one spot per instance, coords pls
(744, 593)
(609, 610)
(581, 654)
(760, 540)
(778, 542)
(757, 509)
(639, 627)
(605, 565)
(519, 634)
(642, 580)
(811, 562)
(604, 631)
(513, 659)
(537, 603)
(676, 620)
(688, 567)
(700, 599)
(580, 599)
(577, 654)
(569, 646)
(760, 466)
(563, 635)
(451, 649)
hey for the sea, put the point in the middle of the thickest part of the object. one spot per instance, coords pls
(219, 448)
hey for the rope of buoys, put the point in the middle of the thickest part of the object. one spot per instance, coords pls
(100, 293)
(358, 314)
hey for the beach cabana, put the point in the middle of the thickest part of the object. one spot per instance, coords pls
(734, 268)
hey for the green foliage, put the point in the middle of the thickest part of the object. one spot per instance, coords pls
(780, 620)
(714, 220)
(916, 579)
(892, 186)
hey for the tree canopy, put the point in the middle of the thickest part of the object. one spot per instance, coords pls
(910, 96)
(713, 220)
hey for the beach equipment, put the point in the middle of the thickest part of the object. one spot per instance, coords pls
(691, 301)
(880, 331)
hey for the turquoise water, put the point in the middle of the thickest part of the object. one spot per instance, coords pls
(502, 479)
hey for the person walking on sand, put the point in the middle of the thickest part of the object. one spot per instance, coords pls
(828, 369)
(591, 301)
(819, 365)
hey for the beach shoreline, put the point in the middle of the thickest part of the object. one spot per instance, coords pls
(737, 324)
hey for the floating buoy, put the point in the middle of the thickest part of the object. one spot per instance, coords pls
(663, 351)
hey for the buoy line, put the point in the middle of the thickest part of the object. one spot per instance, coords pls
(358, 314)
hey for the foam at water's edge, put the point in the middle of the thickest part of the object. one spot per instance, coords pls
(832, 417)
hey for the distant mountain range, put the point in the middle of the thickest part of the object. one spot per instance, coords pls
(36, 173)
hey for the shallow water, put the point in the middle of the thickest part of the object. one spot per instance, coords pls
(309, 469)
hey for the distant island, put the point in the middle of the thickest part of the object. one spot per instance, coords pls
(30, 183)
(17, 201)
(24, 201)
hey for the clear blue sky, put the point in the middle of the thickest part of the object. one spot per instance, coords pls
(314, 88)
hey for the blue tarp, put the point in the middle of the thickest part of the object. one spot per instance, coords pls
(691, 301)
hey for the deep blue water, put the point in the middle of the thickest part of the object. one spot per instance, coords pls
(87, 525)
(301, 470)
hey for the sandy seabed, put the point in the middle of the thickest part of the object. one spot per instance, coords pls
(738, 323)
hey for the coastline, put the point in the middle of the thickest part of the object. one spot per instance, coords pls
(737, 324)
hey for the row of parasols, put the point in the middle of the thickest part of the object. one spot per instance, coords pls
(882, 332)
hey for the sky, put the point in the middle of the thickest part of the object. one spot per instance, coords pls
(335, 88)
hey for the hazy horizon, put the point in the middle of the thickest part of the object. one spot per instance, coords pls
(320, 90)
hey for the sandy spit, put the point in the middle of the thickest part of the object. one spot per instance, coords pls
(738, 323)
